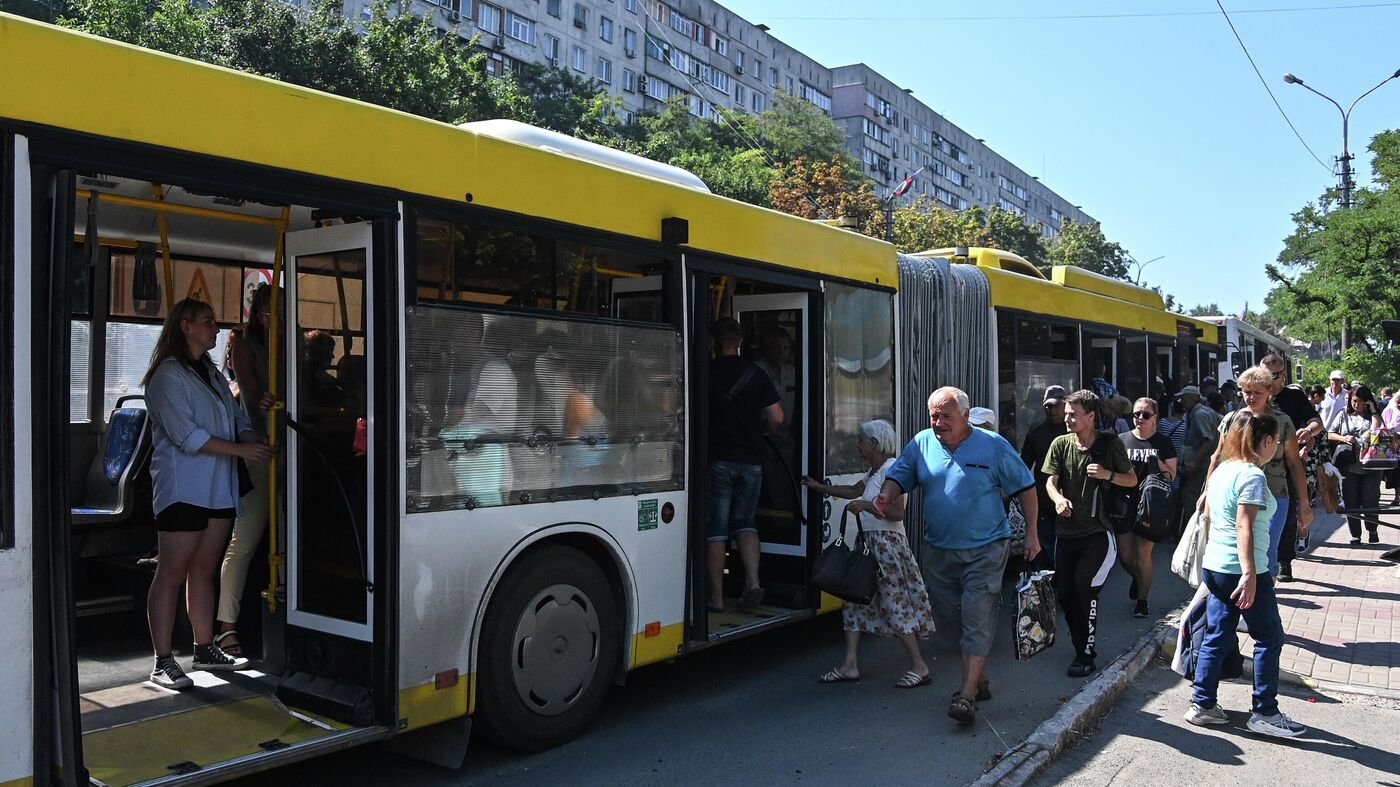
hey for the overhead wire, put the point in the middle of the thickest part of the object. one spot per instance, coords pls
(1267, 89)
(1071, 17)
(700, 86)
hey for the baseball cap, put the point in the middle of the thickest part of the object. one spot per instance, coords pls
(1337, 374)
(1054, 394)
(1207, 381)
(983, 417)
(1189, 390)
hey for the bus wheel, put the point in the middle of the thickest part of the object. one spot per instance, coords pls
(548, 649)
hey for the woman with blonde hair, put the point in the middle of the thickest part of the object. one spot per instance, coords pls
(1235, 573)
(1150, 451)
(198, 434)
(901, 608)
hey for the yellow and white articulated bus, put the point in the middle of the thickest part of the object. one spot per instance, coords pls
(496, 343)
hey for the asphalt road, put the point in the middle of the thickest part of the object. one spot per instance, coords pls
(752, 711)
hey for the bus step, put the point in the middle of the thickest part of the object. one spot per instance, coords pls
(105, 605)
(344, 702)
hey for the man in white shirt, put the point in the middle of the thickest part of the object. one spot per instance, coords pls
(1334, 399)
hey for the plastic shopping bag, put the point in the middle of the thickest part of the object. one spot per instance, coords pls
(1190, 550)
(1036, 611)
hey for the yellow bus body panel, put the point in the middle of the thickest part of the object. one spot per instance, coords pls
(47, 78)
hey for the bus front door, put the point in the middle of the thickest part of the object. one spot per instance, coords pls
(777, 339)
(330, 456)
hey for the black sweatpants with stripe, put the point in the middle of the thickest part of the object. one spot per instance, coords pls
(1081, 567)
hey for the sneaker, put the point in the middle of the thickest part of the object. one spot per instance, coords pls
(212, 657)
(1140, 609)
(1081, 666)
(1277, 725)
(1202, 716)
(1356, 542)
(1285, 572)
(167, 673)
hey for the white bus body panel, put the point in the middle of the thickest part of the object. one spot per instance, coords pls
(451, 560)
(16, 565)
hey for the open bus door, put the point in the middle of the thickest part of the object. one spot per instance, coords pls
(330, 538)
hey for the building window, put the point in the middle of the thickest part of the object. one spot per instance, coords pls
(551, 49)
(632, 5)
(629, 81)
(551, 7)
(656, 50)
(772, 77)
(739, 60)
(720, 45)
(605, 28)
(580, 60)
(520, 28)
(739, 96)
(489, 19)
(760, 102)
(580, 16)
(629, 42)
(604, 71)
(787, 84)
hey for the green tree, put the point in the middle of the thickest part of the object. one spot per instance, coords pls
(922, 225)
(792, 128)
(1204, 310)
(1340, 266)
(824, 190)
(1085, 246)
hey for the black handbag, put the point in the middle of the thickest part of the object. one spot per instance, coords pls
(846, 573)
(1119, 502)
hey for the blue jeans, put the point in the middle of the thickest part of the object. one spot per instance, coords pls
(1265, 627)
(1276, 532)
(733, 499)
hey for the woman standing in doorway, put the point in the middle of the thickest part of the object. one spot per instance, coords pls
(199, 432)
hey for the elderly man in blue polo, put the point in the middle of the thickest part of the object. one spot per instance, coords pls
(963, 475)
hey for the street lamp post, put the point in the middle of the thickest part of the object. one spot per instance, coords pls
(1141, 266)
(1346, 160)
(1346, 118)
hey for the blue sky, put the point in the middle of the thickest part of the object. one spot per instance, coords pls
(1157, 125)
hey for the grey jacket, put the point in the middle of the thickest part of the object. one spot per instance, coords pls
(185, 413)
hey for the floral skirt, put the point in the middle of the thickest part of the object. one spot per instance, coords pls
(902, 605)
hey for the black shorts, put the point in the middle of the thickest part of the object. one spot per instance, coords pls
(188, 518)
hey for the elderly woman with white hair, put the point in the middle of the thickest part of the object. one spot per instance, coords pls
(901, 608)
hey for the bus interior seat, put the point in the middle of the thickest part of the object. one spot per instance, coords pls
(109, 494)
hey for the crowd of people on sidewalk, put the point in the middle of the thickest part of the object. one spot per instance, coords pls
(1100, 481)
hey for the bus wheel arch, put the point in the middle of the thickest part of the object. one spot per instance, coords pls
(551, 642)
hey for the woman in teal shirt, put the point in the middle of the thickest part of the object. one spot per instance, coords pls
(1235, 570)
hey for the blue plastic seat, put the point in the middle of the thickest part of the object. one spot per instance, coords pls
(109, 491)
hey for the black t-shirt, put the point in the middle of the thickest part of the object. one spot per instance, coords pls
(1140, 452)
(736, 423)
(1294, 404)
(1033, 452)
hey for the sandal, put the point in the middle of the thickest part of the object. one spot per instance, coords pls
(912, 680)
(234, 648)
(835, 675)
(962, 709)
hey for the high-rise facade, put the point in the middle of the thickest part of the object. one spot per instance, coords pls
(646, 52)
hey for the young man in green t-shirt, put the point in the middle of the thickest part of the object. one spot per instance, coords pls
(1079, 464)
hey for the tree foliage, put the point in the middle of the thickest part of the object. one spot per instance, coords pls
(1343, 264)
(1084, 245)
(922, 226)
(1204, 310)
(823, 190)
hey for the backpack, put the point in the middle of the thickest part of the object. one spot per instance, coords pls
(1154, 514)
(1117, 500)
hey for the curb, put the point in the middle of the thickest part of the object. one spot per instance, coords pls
(1028, 758)
(1324, 687)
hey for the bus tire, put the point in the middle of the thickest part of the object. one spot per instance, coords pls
(549, 646)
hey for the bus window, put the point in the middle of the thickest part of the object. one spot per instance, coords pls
(859, 369)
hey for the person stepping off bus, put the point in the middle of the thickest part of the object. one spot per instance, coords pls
(743, 403)
(963, 475)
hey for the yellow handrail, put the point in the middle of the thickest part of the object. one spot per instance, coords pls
(158, 194)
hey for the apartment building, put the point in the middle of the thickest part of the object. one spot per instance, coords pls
(646, 52)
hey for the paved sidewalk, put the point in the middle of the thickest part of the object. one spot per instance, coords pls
(1342, 614)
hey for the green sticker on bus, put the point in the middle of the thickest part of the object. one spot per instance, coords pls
(646, 515)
